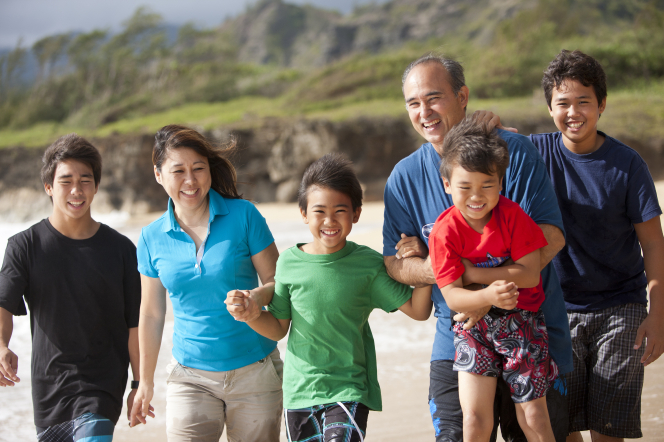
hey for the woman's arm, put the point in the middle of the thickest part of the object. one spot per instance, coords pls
(525, 272)
(419, 305)
(245, 305)
(150, 330)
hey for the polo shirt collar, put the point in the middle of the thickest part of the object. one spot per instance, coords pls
(218, 207)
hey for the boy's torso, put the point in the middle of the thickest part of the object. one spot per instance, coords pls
(601, 196)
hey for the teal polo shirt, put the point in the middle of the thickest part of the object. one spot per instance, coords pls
(205, 335)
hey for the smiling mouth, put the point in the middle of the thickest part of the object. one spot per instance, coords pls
(76, 203)
(330, 232)
(428, 125)
(476, 206)
(575, 125)
(190, 192)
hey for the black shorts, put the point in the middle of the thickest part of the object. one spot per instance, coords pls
(448, 420)
(327, 422)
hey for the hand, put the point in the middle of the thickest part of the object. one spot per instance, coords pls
(502, 294)
(139, 407)
(472, 317)
(652, 329)
(491, 120)
(8, 367)
(411, 246)
(242, 306)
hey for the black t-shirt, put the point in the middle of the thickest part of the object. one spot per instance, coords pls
(83, 297)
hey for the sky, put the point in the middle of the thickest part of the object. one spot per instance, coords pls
(34, 19)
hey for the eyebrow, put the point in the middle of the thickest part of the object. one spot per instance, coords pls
(84, 175)
(323, 205)
(427, 95)
(567, 98)
(483, 182)
(182, 164)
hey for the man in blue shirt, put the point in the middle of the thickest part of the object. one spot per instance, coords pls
(436, 98)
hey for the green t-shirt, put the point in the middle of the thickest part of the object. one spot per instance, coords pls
(331, 355)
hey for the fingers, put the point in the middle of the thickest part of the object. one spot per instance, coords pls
(640, 335)
(8, 368)
(508, 129)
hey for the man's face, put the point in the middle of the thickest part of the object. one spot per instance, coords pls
(73, 189)
(432, 106)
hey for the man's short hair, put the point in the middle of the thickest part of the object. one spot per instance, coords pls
(331, 171)
(70, 147)
(453, 68)
(574, 65)
(475, 148)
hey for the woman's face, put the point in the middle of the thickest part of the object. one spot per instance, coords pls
(185, 175)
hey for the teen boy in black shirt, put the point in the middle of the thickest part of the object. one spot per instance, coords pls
(80, 281)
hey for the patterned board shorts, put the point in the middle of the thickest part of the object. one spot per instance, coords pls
(321, 423)
(87, 427)
(514, 346)
(605, 386)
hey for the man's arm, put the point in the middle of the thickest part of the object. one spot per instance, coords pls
(8, 359)
(413, 271)
(652, 328)
(556, 241)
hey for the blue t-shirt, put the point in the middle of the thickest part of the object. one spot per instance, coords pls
(601, 196)
(415, 197)
(205, 336)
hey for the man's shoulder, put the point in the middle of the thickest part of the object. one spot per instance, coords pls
(30, 235)
(413, 163)
(519, 145)
(115, 238)
(621, 151)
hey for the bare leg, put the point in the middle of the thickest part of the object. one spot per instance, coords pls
(476, 394)
(574, 437)
(534, 420)
(596, 437)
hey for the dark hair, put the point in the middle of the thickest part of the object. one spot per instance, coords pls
(173, 136)
(331, 171)
(453, 68)
(70, 147)
(474, 147)
(574, 66)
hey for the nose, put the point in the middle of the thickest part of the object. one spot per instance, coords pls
(573, 110)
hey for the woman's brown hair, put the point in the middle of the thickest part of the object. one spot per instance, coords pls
(173, 136)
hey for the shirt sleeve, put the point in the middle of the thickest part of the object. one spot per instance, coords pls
(132, 287)
(396, 219)
(14, 279)
(386, 293)
(445, 249)
(280, 306)
(527, 182)
(642, 202)
(259, 235)
(145, 266)
(526, 235)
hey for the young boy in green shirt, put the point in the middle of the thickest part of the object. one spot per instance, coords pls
(324, 292)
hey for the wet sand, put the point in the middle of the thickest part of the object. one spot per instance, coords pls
(403, 350)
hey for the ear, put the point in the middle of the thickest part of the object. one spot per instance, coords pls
(500, 184)
(448, 187)
(356, 215)
(48, 188)
(463, 95)
(602, 106)
(304, 215)
(551, 111)
(157, 175)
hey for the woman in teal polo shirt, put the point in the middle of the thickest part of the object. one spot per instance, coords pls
(209, 242)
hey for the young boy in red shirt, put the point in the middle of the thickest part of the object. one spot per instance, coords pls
(482, 231)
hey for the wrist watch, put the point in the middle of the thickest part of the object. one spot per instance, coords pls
(134, 385)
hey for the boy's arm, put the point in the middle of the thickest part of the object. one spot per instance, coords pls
(419, 305)
(502, 294)
(8, 359)
(652, 243)
(525, 272)
(269, 326)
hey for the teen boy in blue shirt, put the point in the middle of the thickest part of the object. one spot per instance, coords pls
(611, 214)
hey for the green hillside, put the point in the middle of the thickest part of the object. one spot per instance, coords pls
(137, 80)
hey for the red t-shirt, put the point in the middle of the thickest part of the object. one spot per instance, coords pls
(510, 233)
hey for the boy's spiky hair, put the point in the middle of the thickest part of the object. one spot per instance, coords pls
(574, 65)
(70, 147)
(331, 171)
(475, 148)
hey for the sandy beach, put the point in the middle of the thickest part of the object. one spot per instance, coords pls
(403, 349)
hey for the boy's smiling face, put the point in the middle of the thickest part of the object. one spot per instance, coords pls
(330, 217)
(474, 194)
(575, 112)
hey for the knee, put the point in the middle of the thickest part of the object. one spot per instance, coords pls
(480, 423)
(536, 417)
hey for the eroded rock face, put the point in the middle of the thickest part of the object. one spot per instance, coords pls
(270, 160)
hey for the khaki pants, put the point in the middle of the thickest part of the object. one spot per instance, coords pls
(247, 400)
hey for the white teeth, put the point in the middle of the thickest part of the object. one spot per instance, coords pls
(77, 203)
(575, 125)
(430, 123)
(329, 232)
(189, 192)
(475, 207)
